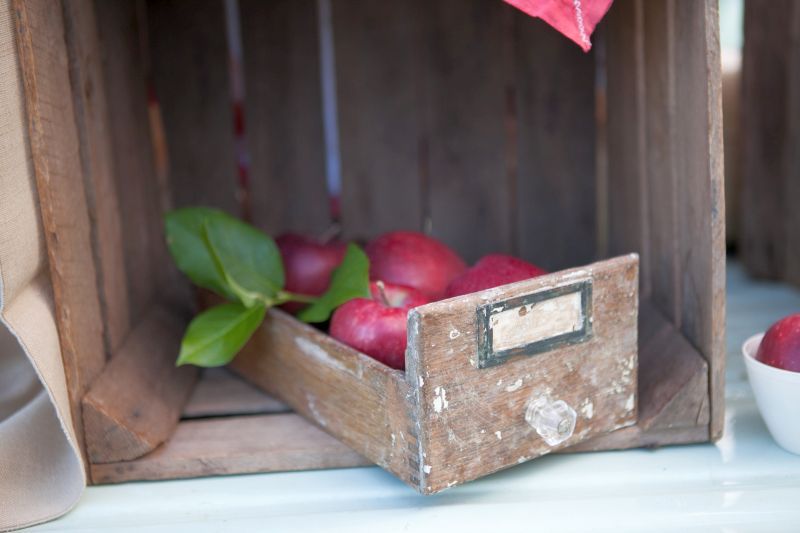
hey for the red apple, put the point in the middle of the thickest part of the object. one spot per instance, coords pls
(492, 271)
(780, 346)
(414, 260)
(308, 264)
(377, 326)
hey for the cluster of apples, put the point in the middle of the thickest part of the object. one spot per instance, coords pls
(407, 269)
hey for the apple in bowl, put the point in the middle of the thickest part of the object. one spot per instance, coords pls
(772, 360)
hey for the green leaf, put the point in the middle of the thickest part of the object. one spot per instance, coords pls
(186, 242)
(349, 280)
(215, 336)
(247, 258)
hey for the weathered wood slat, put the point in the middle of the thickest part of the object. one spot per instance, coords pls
(381, 86)
(189, 60)
(360, 401)
(628, 217)
(472, 420)
(766, 97)
(126, 422)
(140, 198)
(235, 445)
(91, 110)
(792, 180)
(283, 115)
(700, 185)
(220, 393)
(54, 136)
(468, 174)
(673, 376)
(636, 437)
(770, 224)
(556, 206)
(659, 132)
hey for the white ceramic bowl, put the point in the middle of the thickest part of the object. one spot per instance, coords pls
(777, 394)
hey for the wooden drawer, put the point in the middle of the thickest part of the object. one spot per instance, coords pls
(492, 379)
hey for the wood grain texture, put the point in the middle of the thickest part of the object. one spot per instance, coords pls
(381, 86)
(189, 59)
(126, 422)
(221, 393)
(360, 401)
(555, 88)
(468, 181)
(96, 150)
(701, 197)
(636, 437)
(659, 134)
(149, 269)
(283, 116)
(673, 376)
(765, 99)
(628, 217)
(472, 420)
(769, 236)
(792, 180)
(235, 445)
(53, 134)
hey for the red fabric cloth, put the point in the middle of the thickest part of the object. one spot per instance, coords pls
(574, 18)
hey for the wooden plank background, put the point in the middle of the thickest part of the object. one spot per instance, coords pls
(283, 115)
(189, 61)
(769, 241)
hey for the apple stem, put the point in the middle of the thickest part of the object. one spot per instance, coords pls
(382, 293)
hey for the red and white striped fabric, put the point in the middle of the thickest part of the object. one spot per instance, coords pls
(574, 18)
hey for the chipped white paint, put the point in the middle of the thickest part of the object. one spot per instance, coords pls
(535, 322)
(394, 440)
(483, 431)
(587, 408)
(630, 402)
(440, 401)
(316, 351)
(522, 459)
(454, 334)
(576, 274)
(426, 469)
(451, 483)
(499, 382)
(499, 435)
(421, 381)
(311, 401)
(514, 386)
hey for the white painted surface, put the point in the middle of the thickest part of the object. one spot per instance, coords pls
(745, 482)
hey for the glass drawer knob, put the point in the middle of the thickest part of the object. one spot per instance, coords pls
(554, 421)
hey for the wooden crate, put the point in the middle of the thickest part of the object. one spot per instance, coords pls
(769, 238)
(464, 119)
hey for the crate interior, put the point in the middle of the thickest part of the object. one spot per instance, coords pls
(464, 119)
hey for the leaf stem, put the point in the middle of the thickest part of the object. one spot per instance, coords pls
(286, 296)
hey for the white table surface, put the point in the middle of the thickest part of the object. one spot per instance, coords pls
(744, 482)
